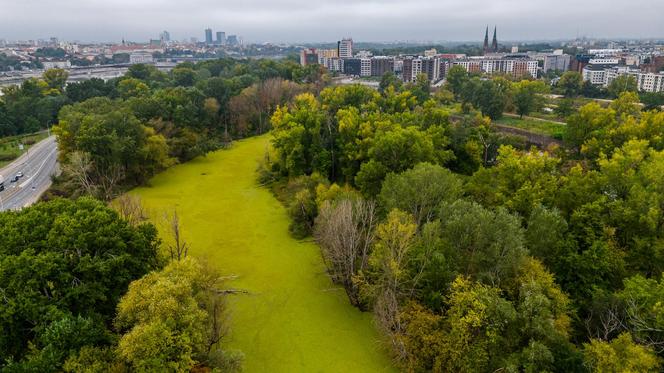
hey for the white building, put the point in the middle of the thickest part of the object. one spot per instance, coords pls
(365, 66)
(334, 64)
(56, 64)
(557, 62)
(140, 57)
(595, 74)
(346, 48)
(604, 75)
(604, 61)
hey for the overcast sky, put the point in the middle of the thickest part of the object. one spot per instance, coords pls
(328, 20)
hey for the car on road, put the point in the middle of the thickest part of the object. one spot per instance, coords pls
(2, 187)
(14, 179)
(19, 174)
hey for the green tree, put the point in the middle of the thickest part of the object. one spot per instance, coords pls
(620, 355)
(456, 78)
(565, 108)
(172, 319)
(420, 191)
(56, 79)
(62, 259)
(298, 137)
(570, 83)
(527, 96)
(622, 83)
(389, 79)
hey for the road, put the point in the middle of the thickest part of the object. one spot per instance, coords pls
(37, 166)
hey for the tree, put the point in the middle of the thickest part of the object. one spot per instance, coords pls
(115, 146)
(486, 245)
(643, 312)
(570, 83)
(582, 126)
(298, 137)
(622, 83)
(387, 281)
(56, 79)
(421, 88)
(456, 79)
(565, 108)
(132, 87)
(396, 150)
(489, 96)
(173, 319)
(345, 231)
(62, 259)
(476, 319)
(620, 355)
(420, 191)
(652, 100)
(527, 96)
(519, 181)
(389, 79)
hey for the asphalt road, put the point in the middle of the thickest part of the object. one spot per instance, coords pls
(37, 166)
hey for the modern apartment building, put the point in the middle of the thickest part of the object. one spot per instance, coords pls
(515, 66)
(345, 48)
(603, 75)
(556, 62)
(365, 66)
(412, 67)
(381, 65)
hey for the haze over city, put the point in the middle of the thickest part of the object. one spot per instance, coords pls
(317, 20)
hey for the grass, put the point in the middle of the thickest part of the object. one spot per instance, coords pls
(294, 319)
(540, 127)
(9, 149)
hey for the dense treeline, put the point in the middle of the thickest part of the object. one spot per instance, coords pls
(85, 288)
(475, 253)
(118, 133)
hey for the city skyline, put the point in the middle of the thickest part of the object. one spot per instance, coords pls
(297, 21)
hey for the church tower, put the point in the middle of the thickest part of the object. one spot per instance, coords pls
(494, 43)
(486, 41)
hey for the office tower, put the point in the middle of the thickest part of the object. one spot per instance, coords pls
(208, 36)
(221, 37)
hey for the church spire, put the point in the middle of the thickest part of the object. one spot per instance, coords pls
(486, 40)
(494, 43)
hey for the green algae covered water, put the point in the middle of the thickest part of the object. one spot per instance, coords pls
(293, 319)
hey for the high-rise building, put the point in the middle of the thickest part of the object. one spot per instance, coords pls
(412, 67)
(208, 36)
(232, 40)
(345, 47)
(221, 37)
